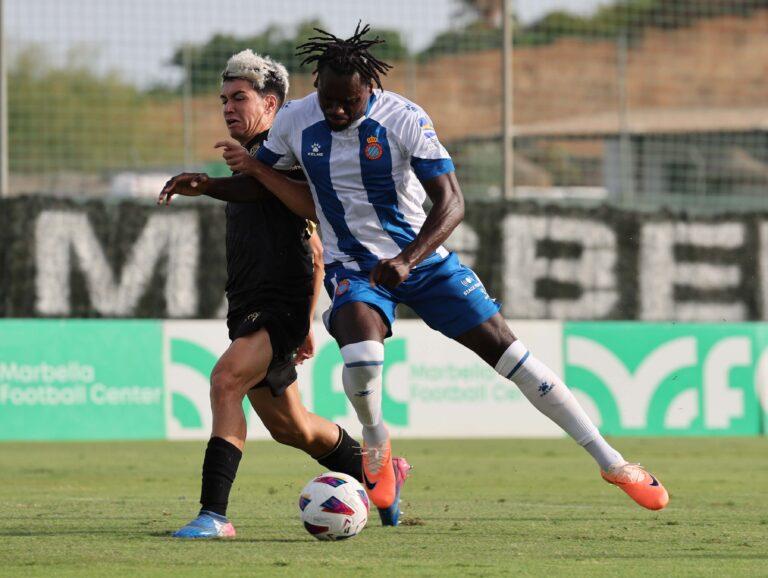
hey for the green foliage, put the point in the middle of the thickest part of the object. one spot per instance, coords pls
(475, 37)
(71, 118)
(206, 61)
(633, 17)
(623, 17)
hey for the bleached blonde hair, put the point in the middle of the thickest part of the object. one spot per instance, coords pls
(265, 74)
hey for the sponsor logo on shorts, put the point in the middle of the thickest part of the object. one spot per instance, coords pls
(342, 287)
(471, 284)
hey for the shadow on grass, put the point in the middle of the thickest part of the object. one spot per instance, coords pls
(273, 540)
(227, 540)
(85, 532)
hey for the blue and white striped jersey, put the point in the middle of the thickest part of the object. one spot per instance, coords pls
(365, 180)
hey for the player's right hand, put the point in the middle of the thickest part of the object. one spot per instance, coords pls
(186, 184)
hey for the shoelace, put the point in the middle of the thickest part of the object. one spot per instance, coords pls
(375, 458)
(628, 473)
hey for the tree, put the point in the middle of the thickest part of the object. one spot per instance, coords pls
(488, 12)
(206, 61)
(622, 17)
(70, 118)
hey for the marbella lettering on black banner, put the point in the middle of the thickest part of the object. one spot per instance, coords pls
(64, 258)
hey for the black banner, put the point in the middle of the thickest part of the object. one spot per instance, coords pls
(62, 258)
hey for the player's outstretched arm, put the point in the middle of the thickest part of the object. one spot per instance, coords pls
(238, 188)
(446, 213)
(294, 194)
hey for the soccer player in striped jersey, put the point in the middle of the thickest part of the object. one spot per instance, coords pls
(371, 158)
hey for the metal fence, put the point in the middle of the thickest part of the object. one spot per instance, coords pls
(633, 102)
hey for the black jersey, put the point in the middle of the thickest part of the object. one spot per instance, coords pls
(268, 253)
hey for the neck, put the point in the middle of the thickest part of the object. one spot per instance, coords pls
(260, 128)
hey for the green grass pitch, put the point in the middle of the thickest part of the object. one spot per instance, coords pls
(472, 508)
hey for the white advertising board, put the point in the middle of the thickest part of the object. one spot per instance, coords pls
(433, 387)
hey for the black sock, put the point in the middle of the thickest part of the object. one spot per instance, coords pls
(219, 471)
(346, 457)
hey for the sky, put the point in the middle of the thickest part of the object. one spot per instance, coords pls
(138, 37)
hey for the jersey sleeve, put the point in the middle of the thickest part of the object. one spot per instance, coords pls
(276, 150)
(429, 158)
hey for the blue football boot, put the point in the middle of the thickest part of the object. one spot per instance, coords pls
(391, 516)
(207, 525)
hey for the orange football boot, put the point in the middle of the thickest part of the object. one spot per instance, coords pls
(638, 484)
(379, 475)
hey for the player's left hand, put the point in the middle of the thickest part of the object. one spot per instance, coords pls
(306, 350)
(236, 156)
(186, 184)
(390, 272)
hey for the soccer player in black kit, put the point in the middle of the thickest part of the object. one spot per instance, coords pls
(274, 276)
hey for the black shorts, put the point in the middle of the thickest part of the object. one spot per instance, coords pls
(287, 325)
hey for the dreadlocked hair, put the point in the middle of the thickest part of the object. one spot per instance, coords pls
(345, 56)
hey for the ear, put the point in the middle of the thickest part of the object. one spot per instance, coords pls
(270, 103)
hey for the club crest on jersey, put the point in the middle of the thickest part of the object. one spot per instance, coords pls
(373, 150)
(342, 287)
(314, 150)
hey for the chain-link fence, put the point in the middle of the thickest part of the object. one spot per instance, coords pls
(634, 101)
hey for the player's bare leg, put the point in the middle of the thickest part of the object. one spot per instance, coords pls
(495, 343)
(289, 422)
(360, 330)
(243, 364)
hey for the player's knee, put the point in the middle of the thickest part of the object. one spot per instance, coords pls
(225, 382)
(364, 359)
(361, 375)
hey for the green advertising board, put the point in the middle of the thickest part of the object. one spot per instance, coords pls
(135, 379)
(79, 380)
(669, 379)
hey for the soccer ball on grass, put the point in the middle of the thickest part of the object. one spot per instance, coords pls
(333, 506)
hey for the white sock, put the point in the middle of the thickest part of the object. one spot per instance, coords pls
(547, 392)
(361, 376)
